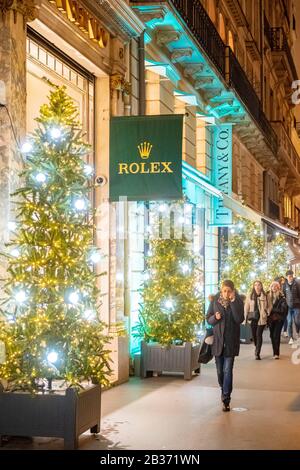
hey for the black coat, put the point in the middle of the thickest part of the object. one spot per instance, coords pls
(236, 316)
(292, 294)
(279, 310)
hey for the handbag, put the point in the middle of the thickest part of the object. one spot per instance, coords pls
(205, 353)
(253, 316)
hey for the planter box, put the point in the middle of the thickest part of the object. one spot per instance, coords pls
(157, 358)
(65, 415)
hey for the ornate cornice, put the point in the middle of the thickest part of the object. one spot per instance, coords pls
(118, 82)
(27, 8)
(117, 15)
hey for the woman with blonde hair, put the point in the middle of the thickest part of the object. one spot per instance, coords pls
(256, 311)
(278, 310)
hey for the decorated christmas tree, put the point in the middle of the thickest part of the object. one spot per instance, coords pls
(172, 306)
(249, 257)
(50, 326)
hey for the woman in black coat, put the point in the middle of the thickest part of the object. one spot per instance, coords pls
(225, 314)
(278, 310)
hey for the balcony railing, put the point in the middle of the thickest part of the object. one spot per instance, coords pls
(199, 23)
(195, 16)
(239, 81)
(279, 43)
(286, 143)
(203, 29)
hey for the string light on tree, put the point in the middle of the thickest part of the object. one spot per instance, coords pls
(73, 298)
(185, 268)
(55, 133)
(89, 315)
(80, 204)
(40, 178)
(54, 244)
(15, 252)
(95, 257)
(168, 304)
(20, 297)
(250, 257)
(88, 170)
(172, 305)
(52, 357)
(26, 147)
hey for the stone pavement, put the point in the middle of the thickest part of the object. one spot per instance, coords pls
(167, 413)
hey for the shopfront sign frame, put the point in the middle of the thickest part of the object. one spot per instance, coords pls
(222, 173)
(146, 158)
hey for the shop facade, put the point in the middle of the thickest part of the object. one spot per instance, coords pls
(91, 48)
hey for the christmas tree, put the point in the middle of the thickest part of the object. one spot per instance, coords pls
(249, 257)
(50, 324)
(172, 294)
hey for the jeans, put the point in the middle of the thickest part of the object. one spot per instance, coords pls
(225, 376)
(257, 335)
(275, 330)
(291, 320)
(285, 325)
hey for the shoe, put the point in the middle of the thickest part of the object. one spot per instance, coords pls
(257, 357)
(226, 407)
(291, 341)
(275, 357)
(285, 334)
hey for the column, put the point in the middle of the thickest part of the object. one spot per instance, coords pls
(15, 14)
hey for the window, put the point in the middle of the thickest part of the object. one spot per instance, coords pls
(222, 30)
(211, 9)
(45, 67)
(230, 40)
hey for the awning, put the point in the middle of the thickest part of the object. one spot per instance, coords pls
(241, 209)
(257, 217)
(195, 176)
(280, 227)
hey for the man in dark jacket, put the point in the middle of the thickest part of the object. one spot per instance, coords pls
(225, 314)
(291, 290)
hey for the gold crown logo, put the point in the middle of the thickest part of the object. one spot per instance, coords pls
(145, 149)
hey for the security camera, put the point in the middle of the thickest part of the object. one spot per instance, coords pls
(101, 180)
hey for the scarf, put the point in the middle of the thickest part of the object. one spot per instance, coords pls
(225, 303)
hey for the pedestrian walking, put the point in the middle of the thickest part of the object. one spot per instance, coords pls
(291, 291)
(282, 280)
(256, 311)
(278, 310)
(225, 314)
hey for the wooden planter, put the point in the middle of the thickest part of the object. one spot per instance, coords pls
(65, 415)
(157, 358)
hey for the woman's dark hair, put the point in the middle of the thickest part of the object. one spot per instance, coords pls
(253, 292)
(228, 283)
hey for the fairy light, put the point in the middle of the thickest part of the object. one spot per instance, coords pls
(40, 178)
(88, 170)
(52, 357)
(80, 204)
(73, 298)
(15, 252)
(27, 147)
(55, 133)
(95, 257)
(20, 297)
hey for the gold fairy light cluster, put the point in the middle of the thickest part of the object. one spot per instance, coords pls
(50, 322)
(172, 305)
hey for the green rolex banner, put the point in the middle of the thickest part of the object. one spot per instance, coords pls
(146, 157)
